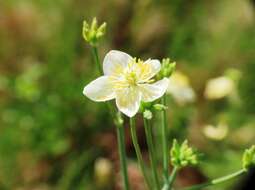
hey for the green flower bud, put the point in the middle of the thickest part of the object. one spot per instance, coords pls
(159, 107)
(167, 68)
(249, 158)
(147, 114)
(182, 155)
(92, 33)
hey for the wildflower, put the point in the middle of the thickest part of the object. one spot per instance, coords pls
(216, 133)
(180, 88)
(182, 155)
(249, 158)
(219, 87)
(128, 80)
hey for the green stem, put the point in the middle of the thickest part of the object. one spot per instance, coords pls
(119, 126)
(122, 154)
(216, 181)
(164, 140)
(172, 177)
(168, 185)
(138, 151)
(96, 59)
(149, 139)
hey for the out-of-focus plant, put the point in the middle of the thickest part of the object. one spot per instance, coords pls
(222, 86)
(218, 88)
(179, 87)
(103, 173)
(216, 133)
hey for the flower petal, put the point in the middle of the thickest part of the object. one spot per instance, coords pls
(115, 61)
(152, 67)
(151, 92)
(99, 90)
(128, 100)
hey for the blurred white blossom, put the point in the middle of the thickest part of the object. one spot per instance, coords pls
(219, 87)
(216, 133)
(179, 87)
(103, 169)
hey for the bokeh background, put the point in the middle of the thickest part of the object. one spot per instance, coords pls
(52, 137)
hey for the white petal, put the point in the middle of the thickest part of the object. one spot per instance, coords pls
(153, 69)
(99, 90)
(115, 61)
(128, 101)
(151, 92)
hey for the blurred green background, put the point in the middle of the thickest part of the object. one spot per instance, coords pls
(52, 137)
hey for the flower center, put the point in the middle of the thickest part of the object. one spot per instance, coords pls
(135, 73)
(131, 78)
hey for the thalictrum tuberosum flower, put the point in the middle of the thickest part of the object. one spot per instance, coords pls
(128, 80)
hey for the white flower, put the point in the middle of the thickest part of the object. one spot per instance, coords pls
(180, 88)
(127, 80)
(219, 87)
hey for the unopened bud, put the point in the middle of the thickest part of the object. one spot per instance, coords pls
(182, 155)
(147, 114)
(167, 68)
(92, 33)
(249, 158)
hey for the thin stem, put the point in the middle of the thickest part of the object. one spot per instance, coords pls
(96, 59)
(172, 177)
(138, 151)
(169, 183)
(122, 154)
(216, 181)
(149, 139)
(164, 140)
(119, 126)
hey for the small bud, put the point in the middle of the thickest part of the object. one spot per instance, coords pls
(182, 155)
(92, 33)
(167, 68)
(147, 114)
(249, 158)
(159, 107)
